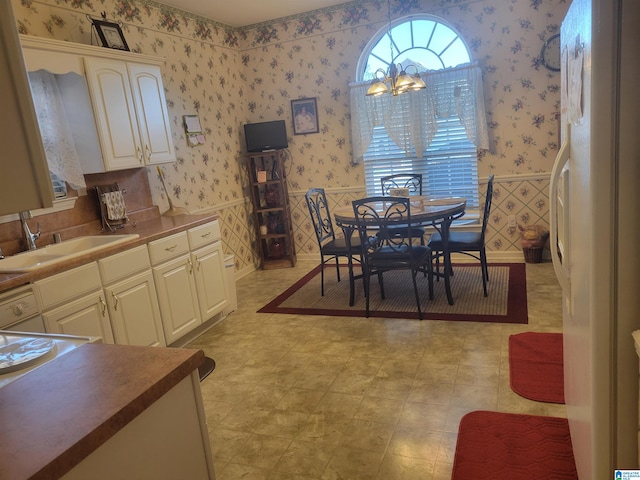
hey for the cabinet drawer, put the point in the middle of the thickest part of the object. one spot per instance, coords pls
(169, 247)
(67, 285)
(204, 234)
(124, 264)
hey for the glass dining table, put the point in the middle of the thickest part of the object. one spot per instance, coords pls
(438, 213)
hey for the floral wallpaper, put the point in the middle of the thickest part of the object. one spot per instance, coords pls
(230, 76)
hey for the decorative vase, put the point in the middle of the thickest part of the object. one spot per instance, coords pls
(272, 197)
(276, 249)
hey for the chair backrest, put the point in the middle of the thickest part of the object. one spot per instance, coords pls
(320, 215)
(412, 181)
(487, 205)
(378, 220)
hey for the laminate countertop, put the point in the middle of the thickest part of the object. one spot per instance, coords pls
(56, 415)
(148, 230)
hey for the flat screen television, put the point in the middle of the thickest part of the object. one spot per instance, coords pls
(266, 136)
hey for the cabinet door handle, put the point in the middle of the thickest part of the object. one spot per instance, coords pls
(197, 263)
(190, 265)
(139, 155)
(205, 235)
(104, 305)
(147, 152)
(171, 248)
(115, 301)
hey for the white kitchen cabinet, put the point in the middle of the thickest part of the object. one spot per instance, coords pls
(175, 285)
(73, 303)
(124, 117)
(153, 117)
(210, 275)
(115, 115)
(134, 311)
(190, 277)
(209, 269)
(131, 114)
(86, 316)
(131, 297)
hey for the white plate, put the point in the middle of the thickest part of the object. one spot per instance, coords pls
(19, 353)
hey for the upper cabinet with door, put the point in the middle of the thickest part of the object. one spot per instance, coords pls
(125, 95)
(131, 113)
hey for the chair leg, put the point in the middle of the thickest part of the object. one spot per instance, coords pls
(485, 271)
(447, 269)
(483, 261)
(381, 283)
(352, 282)
(367, 284)
(414, 274)
(338, 267)
(430, 279)
(322, 275)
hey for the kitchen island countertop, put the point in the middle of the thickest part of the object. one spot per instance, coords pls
(56, 415)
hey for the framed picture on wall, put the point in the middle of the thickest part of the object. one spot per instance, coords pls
(305, 116)
(110, 35)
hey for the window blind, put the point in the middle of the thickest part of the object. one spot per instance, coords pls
(449, 168)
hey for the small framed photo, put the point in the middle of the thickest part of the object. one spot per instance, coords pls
(110, 35)
(305, 116)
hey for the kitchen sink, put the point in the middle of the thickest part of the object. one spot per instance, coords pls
(59, 252)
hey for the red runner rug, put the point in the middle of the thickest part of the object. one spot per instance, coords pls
(507, 446)
(536, 366)
(506, 302)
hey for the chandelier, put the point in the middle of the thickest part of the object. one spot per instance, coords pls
(395, 80)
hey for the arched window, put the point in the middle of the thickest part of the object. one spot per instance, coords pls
(425, 42)
(436, 131)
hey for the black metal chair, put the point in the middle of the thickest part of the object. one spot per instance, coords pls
(387, 250)
(410, 181)
(468, 243)
(413, 183)
(331, 247)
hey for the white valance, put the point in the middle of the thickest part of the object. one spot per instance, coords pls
(56, 134)
(410, 119)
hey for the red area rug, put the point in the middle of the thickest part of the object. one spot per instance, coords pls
(506, 302)
(507, 446)
(536, 366)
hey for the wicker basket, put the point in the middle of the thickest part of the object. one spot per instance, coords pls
(533, 254)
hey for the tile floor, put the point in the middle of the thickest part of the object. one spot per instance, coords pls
(312, 397)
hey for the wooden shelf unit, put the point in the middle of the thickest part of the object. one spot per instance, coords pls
(271, 210)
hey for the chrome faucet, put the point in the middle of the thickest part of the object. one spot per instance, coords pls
(29, 237)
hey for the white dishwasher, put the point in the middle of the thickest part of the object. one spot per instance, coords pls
(19, 311)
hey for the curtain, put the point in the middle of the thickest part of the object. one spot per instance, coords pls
(56, 134)
(410, 119)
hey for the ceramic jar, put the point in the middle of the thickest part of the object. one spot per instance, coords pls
(272, 197)
(276, 248)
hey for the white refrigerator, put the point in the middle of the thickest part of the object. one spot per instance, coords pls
(595, 220)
